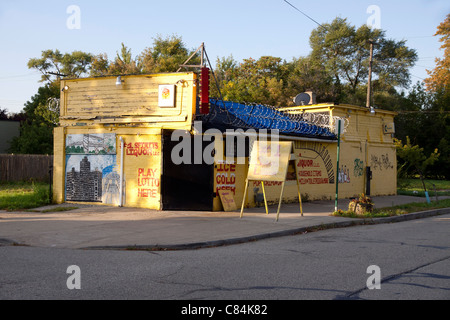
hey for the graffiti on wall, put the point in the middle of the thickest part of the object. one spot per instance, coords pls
(381, 162)
(315, 165)
(344, 174)
(358, 169)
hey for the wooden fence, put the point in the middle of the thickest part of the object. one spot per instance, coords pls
(25, 167)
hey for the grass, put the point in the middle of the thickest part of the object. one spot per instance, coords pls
(396, 210)
(59, 209)
(23, 195)
(413, 187)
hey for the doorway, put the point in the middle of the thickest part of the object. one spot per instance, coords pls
(186, 186)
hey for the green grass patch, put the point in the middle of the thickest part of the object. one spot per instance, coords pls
(396, 210)
(23, 195)
(59, 209)
(414, 187)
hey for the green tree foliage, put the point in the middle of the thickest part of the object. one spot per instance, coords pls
(413, 159)
(36, 130)
(260, 81)
(304, 74)
(42, 111)
(344, 53)
(53, 62)
(424, 117)
(166, 55)
(124, 63)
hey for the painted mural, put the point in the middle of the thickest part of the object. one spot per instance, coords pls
(89, 178)
(314, 164)
(99, 143)
(91, 169)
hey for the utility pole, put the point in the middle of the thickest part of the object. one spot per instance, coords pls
(369, 84)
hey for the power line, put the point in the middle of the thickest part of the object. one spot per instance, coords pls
(417, 77)
(304, 14)
(421, 111)
(19, 76)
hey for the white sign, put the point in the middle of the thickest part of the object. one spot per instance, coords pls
(336, 126)
(166, 95)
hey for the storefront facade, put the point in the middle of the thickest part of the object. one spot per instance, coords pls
(133, 141)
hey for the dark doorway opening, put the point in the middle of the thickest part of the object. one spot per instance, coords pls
(186, 186)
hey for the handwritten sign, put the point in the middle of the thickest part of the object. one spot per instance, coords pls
(226, 196)
(269, 160)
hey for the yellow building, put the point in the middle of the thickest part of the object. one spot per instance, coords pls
(146, 141)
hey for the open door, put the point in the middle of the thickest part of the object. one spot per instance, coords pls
(186, 186)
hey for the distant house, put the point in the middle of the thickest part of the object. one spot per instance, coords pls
(8, 130)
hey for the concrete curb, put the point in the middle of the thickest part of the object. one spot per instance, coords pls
(290, 232)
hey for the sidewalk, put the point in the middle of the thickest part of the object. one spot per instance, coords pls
(104, 227)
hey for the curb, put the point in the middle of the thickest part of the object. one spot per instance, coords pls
(290, 232)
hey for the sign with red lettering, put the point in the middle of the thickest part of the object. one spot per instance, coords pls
(226, 177)
(142, 170)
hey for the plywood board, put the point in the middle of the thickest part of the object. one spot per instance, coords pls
(226, 196)
(269, 160)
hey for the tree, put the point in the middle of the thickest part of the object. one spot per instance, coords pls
(52, 64)
(3, 114)
(344, 51)
(440, 76)
(36, 130)
(100, 65)
(305, 74)
(253, 81)
(414, 159)
(166, 55)
(123, 63)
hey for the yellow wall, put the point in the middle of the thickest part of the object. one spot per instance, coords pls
(93, 107)
(364, 143)
(96, 106)
(99, 101)
(142, 170)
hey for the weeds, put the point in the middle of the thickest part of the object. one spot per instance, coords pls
(23, 195)
(395, 210)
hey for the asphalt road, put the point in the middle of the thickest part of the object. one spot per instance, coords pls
(413, 258)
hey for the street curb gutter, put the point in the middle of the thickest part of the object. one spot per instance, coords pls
(290, 232)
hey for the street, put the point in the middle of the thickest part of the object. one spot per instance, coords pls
(413, 260)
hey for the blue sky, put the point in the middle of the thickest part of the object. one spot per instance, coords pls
(244, 28)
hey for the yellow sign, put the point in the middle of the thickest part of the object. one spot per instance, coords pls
(226, 196)
(269, 160)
